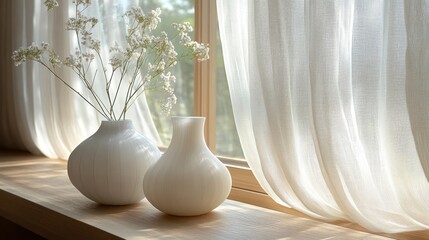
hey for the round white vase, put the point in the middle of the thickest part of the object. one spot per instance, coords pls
(110, 165)
(188, 180)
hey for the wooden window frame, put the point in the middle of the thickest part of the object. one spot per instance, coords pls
(205, 72)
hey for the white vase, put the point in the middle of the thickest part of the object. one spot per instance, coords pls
(110, 165)
(188, 180)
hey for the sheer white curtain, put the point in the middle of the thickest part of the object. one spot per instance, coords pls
(51, 119)
(330, 99)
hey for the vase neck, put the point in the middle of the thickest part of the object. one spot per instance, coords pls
(188, 131)
(116, 126)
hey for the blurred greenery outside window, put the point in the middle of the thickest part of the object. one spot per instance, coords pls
(227, 141)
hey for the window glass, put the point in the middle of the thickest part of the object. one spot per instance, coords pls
(173, 11)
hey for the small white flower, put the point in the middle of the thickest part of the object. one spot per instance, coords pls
(88, 56)
(54, 59)
(161, 67)
(168, 103)
(32, 52)
(201, 52)
(82, 2)
(135, 13)
(74, 24)
(95, 44)
(51, 4)
(93, 22)
(73, 61)
(183, 27)
(146, 41)
(18, 56)
(117, 60)
(44, 46)
(152, 19)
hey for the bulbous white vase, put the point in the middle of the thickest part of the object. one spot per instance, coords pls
(188, 180)
(110, 165)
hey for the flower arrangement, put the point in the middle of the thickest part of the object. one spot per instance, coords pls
(143, 63)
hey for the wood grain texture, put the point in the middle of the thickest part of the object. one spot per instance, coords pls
(36, 193)
(244, 179)
(205, 72)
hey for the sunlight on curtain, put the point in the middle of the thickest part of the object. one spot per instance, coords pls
(51, 119)
(330, 102)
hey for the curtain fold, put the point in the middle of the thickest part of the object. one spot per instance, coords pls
(329, 99)
(8, 130)
(46, 116)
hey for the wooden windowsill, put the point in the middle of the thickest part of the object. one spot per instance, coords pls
(36, 193)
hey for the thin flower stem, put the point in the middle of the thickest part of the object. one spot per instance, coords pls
(82, 72)
(91, 90)
(123, 72)
(69, 86)
(88, 66)
(131, 91)
(82, 75)
(93, 79)
(131, 101)
(135, 74)
(107, 84)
